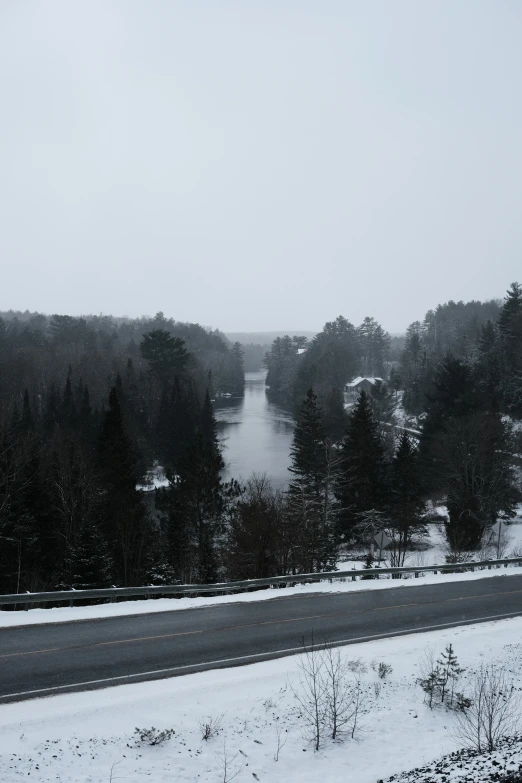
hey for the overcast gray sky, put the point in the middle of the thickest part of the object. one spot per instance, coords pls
(254, 164)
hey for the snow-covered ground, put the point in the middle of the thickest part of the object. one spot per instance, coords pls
(433, 555)
(154, 479)
(82, 737)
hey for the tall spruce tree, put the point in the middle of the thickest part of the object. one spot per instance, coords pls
(489, 367)
(510, 328)
(196, 503)
(362, 487)
(310, 493)
(406, 503)
(68, 412)
(454, 395)
(123, 519)
(334, 415)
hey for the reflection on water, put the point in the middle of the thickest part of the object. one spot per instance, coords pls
(256, 434)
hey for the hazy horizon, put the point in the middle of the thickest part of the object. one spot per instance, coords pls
(251, 165)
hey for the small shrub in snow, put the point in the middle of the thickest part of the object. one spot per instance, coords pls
(461, 703)
(383, 670)
(153, 736)
(210, 726)
(357, 666)
(438, 680)
(449, 673)
(430, 686)
(369, 563)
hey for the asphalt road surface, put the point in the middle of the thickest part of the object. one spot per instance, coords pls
(44, 660)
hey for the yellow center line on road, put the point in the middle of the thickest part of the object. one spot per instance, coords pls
(255, 625)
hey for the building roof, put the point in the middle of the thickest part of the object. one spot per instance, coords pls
(356, 381)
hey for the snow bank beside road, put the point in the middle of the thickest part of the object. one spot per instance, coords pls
(9, 619)
(82, 736)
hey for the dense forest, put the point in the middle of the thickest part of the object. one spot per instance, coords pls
(89, 405)
(459, 376)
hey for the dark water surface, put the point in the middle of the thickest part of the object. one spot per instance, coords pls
(256, 434)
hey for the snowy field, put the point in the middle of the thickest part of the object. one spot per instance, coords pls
(86, 737)
(434, 555)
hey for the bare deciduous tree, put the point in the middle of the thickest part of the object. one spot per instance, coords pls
(340, 692)
(280, 741)
(330, 694)
(494, 711)
(231, 765)
(311, 692)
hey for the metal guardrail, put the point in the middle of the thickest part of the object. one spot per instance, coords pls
(70, 596)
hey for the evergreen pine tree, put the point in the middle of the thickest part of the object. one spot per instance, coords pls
(511, 309)
(26, 420)
(165, 355)
(406, 506)
(310, 493)
(196, 502)
(51, 413)
(85, 416)
(449, 672)
(68, 413)
(489, 367)
(454, 395)
(510, 328)
(334, 416)
(91, 565)
(362, 486)
(123, 517)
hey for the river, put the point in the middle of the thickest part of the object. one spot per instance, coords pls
(255, 433)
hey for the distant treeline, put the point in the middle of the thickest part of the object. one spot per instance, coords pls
(334, 356)
(484, 335)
